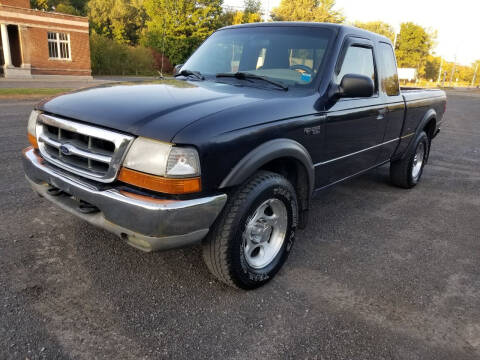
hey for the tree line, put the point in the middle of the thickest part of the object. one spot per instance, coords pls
(175, 28)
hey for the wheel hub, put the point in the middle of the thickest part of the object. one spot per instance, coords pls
(260, 232)
(265, 233)
(418, 161)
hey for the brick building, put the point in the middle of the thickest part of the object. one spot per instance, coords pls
(35, 43)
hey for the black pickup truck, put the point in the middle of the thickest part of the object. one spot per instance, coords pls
(231, 150)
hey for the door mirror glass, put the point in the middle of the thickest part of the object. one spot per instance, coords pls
(355, 85)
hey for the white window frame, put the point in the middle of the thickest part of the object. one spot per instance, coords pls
(57, 41)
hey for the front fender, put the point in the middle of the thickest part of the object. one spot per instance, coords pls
(263, 154)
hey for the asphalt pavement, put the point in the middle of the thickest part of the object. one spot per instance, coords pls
(380, 273)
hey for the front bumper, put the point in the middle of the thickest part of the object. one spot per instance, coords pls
(145, 223)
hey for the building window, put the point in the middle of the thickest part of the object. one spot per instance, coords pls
(59, 46)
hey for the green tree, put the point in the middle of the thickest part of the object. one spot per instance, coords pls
(176, 27)
(241, 17)
(252, 11)
(465, 73)
(432, 67)
(121, 20)
(414, 44)
(72, 7)
(378, 27)
(476, 76)
(461, 72)
(226, 18)
(252, 6)
(67, 9)
(308, 10)
(40, 4)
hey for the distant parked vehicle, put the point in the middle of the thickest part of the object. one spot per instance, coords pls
(231, 151)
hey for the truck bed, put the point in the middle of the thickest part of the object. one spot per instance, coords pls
(411, 93)
(420, 104)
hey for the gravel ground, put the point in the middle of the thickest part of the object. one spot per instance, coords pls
(380, 273)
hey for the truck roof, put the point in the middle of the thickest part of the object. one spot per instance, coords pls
(338, 28)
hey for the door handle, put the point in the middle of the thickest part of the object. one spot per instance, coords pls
(381, 113)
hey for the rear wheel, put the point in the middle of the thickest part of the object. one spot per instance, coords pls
(407, 172)
(253, 236)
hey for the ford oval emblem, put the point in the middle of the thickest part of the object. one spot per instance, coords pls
(64, 149)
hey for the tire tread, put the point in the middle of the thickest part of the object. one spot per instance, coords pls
(400, 169)
(215, 247)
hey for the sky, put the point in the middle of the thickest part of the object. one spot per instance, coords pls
(457, 22)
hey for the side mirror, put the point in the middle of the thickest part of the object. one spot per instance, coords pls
(177, 69)
(354, 85)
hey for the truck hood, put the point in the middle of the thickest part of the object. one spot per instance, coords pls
(158, 109)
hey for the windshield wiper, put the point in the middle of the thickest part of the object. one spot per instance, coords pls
(246, 76)
(193, 73)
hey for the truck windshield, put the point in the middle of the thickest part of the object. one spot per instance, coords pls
(290, 55)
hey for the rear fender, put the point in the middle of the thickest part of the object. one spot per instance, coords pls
(430, 114)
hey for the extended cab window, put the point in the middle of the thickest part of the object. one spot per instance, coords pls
(358, 60)
(390, 77)
(292, 55)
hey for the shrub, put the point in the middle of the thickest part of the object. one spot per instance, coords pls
(112, 58)
(162, 64)
(176, 49)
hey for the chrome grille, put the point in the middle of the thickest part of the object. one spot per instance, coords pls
(84, 150)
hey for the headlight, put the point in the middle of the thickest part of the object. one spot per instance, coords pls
(162, 159)
(32, 123)
(148, 156)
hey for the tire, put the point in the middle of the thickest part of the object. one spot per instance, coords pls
(407, 172)
(251, 239)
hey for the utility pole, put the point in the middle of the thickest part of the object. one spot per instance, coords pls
(453, 70)
(440, 71)
(266, 16)
(474, 75)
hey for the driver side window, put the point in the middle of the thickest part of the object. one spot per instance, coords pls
(358, 60)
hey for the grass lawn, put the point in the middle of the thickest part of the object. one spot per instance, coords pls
(30, 92)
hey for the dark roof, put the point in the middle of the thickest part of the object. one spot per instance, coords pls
(346, 29)
(284, 23)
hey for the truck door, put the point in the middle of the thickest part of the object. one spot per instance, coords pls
(354, 127)
(393, 100)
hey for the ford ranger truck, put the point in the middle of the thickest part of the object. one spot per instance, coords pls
(230, 151)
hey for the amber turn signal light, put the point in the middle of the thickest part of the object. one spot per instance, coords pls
(159, 183)
(32, 140)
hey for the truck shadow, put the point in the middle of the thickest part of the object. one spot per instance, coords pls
(185, 267)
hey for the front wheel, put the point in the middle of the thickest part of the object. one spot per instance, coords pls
(253, 236)
(407, 172)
